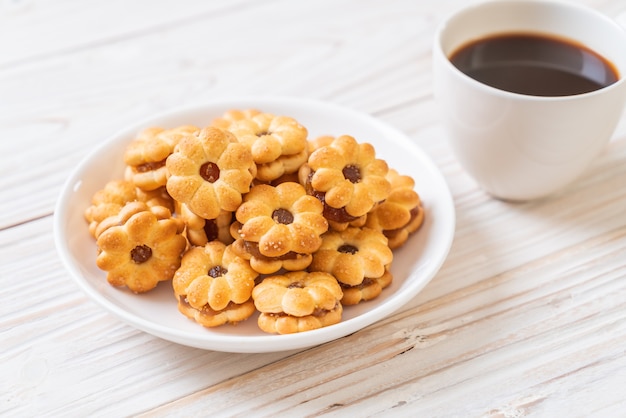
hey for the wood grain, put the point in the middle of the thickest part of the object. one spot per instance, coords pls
(525, 318)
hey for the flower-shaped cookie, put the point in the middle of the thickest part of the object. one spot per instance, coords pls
(278, 143)
(319, 142)
(109, 201)
(209, 172)
(142, 248)
(401, 214)
(212, 278)
(297, 301)
(156, 197)
(353, 255)
(145, 156)
(232, 314)
(280, 226)
(367, 290)
(234, 115)
(347, 177)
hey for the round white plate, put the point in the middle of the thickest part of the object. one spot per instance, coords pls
(156, 312)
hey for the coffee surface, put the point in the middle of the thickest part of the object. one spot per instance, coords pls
(534, 64)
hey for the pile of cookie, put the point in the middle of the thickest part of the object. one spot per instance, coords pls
(249, 214)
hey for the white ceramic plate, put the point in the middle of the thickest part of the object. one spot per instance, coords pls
(156, 312)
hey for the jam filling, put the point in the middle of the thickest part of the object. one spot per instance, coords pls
(348, 249)
(210, 172)
(391, 233)
(141, 254)
(217, 271)
(308, 187)
(365, 283)
(339, 215)
(317, 312)
(253, 249)
(320, 312)
(145, 167)
(352, 173)
(210, 229)
(282, 216)
(295, 285)
(206, 309)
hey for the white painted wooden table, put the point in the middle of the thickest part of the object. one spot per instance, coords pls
(527, 317)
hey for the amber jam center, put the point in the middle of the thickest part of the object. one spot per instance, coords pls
(253, 249)
(352, 173)
(141, 254)
(217, 271)
(332, 214)
(348, 249)
(210, 172)
(211, 230)
(295, 285)
(282, 216)
(145, 167)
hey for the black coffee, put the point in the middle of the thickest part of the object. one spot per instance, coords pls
(535, 65)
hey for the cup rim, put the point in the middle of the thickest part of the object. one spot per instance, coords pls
(444, 24)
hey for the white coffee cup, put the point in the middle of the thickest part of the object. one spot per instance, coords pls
(517, 146)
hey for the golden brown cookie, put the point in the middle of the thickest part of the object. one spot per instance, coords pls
(109, 201)
(156, 197)
(401, 214)
(250, 215)
(319, 142)
(278, 143)
(129, 209)
(347, 177)
(226, 120)
(279, 227)
(145, 156)
(142, 248)
(297, 301)
(366, 290)
(353, 255)
(209, 172)
(341, 226)
(213, 285)
(207, 317)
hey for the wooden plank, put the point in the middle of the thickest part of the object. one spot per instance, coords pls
(525, 318)
(96, 90)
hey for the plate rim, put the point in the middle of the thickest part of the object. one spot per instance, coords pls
(269, 342)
